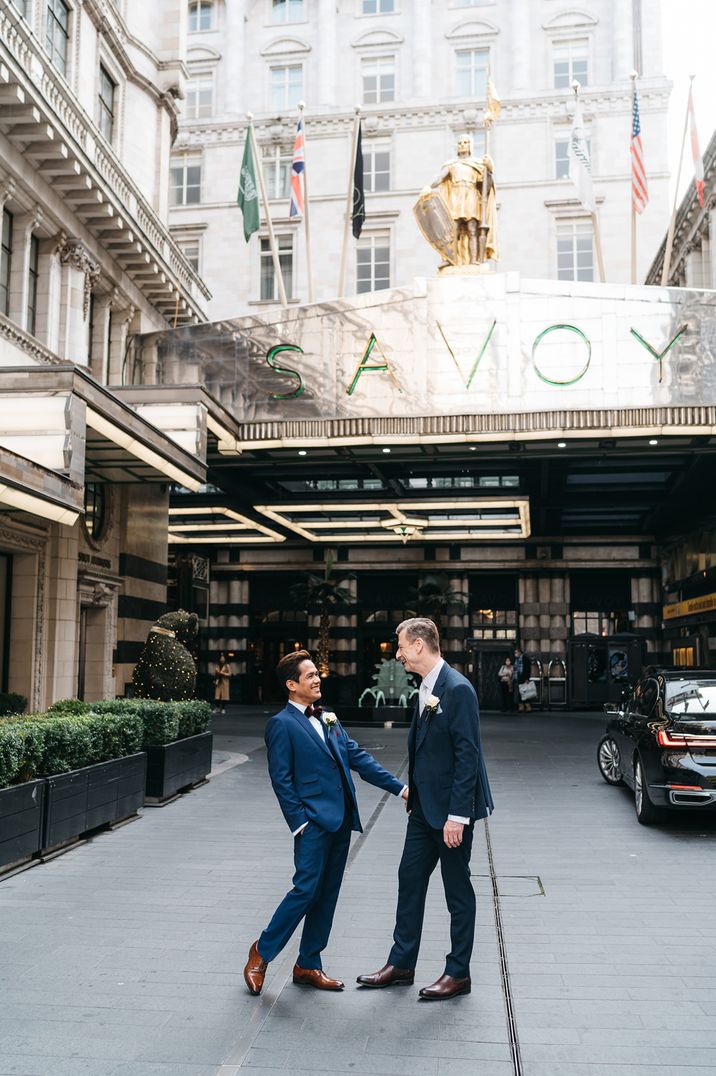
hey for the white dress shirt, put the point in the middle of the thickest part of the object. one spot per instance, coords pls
(426, 688)
(318, 726)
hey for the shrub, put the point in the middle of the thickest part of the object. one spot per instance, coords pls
(12, 703)
(161, 722)
(69, 706)
(194, 717)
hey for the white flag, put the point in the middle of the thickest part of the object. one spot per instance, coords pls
(580, 165)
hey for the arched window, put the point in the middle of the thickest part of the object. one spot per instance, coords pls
(201, 16)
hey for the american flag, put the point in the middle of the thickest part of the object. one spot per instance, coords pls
(639, 190)
(695, 151)
(297, 166)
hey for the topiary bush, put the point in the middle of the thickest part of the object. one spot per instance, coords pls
(194, 717)
(11, 703)
(69, 706)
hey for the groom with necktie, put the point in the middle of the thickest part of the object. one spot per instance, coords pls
(310, 759)
(449, 791)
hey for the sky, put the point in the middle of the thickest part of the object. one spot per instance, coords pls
(689, 33)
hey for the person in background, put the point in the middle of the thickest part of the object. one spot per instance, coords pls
(222, 679)
(505, 675)
(521, 676)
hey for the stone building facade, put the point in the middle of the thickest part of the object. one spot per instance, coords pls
(88, 113)
(418, 71)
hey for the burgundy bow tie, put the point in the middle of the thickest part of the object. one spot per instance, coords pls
(313, 711)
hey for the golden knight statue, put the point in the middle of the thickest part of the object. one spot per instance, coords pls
(456, 213)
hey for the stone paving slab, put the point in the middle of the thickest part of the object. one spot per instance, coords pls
(124, 956)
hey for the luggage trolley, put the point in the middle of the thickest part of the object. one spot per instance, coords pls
(557, 684)
(537, 678)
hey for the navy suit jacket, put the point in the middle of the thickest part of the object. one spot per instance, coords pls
(305, 772)
(446, 762)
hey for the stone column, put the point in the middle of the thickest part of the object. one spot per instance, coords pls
(528, 636)
(99, 343)
(79, 273)
(558, 611)
(121, 318)
(48, 291)
(150, 359)
(645, 595)
(712, 246)
(327, 58)
(62, 611)
(521, 46)
(422, 51)
(232, 73)
(623, 59)
(22, 229)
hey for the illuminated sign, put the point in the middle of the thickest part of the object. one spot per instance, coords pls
(705, 604)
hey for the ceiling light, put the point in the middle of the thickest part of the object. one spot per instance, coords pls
(653, 441)
(561, 444)
(386, 450)
(473, 448)
(302, 452)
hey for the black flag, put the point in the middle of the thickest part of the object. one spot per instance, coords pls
(358, 214)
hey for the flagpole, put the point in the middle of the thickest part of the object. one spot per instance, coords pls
(262, 187)
(672, 223)
(349, 205)
(596, 232)
(633, 76)
(306, 221)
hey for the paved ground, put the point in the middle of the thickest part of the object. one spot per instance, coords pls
(124, 956)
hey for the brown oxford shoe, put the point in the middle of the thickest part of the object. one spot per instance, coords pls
(445, 987)
(387, 976)
(255, 970)
(316, 978)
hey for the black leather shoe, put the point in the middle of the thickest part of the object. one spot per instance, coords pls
(446, 987)
(387, 976)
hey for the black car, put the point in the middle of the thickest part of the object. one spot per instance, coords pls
(661, 742)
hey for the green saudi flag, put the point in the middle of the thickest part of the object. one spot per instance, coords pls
(248, 196)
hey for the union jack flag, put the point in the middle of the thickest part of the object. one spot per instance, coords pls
(298, 165)
(639, 189)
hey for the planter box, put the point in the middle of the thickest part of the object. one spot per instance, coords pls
(21, 813)
(84, 799)
(175, 766)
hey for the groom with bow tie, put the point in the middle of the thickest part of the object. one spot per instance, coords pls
(310, 759)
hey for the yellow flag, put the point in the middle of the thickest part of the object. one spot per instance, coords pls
(494, 105)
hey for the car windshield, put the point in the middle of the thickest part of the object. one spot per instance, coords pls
(691, 698)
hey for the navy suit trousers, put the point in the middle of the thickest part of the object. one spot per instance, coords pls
(424, 848)
(320, 859)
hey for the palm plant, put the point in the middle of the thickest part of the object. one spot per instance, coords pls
(435, 596)
(321, 594)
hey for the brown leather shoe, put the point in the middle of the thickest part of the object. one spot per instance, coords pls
(255, 970)
(316, 978)
(387, 976)
(445, 987)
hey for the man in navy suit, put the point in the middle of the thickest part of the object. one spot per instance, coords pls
(449, 791)
(310, 758)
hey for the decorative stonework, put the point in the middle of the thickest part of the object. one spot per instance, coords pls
(75, 254)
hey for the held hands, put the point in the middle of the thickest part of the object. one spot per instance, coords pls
(452, 833)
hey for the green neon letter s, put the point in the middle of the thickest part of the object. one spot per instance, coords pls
(270, 359)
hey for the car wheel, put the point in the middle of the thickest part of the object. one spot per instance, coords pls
(646, 813)
(609, 761)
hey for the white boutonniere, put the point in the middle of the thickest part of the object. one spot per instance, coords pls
(432, 704)
(329, 719)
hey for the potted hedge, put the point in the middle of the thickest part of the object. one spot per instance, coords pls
(63, 774)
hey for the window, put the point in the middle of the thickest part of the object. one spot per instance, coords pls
(199, 97)
(5, 260)
(378, 7)
(269, 285)
(57, 34)
(376, 167)
(378, 80)
(570, 63)
(190, 250)
(201, 16)
(105, 104)
(287, 10)
(95, 516)
(575, 254)
(277, 171)
(33, 271)
(286, 87)
(471, 66)
(186, 180)
(561, 157)
(373, 262)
